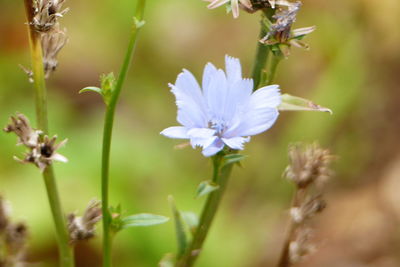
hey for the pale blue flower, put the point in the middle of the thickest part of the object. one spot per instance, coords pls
(225, 111)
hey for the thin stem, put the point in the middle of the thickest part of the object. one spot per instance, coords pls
(66, 254)
(107, 134)
(221, 177)
(284, 260)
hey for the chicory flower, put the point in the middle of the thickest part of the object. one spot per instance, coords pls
(225, 111)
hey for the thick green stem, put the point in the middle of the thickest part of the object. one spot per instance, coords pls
(262, 52)
(260, 60)
(273, 65)
(107, 134)
(66, 254)
(221, 177)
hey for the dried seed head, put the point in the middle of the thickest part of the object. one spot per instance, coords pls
(308, 209)
(52, 43)
(45, 153)
(309, 164)
(21, 127)
(41, 151)
(83, 228)
(15, 238)
(46, 14)
(301, 246)
(280, 32)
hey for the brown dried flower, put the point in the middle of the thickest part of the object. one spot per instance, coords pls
(46, 14)
(52, 43)
(15, 238)
(41, 151)
(26, 134)
(301, 246)
(281, 33)
(308, 209)
(83, 228)
(308, 164)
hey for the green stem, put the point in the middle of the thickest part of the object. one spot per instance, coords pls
(260, 60)
(273, 65)
(221, 177)
(66, 254)
(107, 135)
(262, 52)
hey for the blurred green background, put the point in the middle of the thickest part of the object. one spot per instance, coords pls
(353, 68)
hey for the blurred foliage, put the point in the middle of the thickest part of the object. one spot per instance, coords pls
(352, 68)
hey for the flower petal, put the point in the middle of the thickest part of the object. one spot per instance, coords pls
(235, 8)
(236, 142)
(214, 148)
(201, 132)
(190, 101)
(233, 69)
(176, 132)
(215, 94)
(259, 114)
(202, 137)
(217, 3)
(209, 71)
(238, 98)
(268, 96)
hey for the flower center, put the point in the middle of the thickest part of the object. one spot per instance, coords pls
(218, 125)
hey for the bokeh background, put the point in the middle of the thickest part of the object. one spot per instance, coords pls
(353, 68)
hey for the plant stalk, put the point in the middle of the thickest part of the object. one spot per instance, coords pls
(107, 135)
(262, 52)
(66, 253)
(284, 260)
(220, 176)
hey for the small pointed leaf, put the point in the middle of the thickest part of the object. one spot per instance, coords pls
(294, 103)
(179, 228)
(143, 219)
(206, 187)
(232, 159)
(191, 219)
(92, 89)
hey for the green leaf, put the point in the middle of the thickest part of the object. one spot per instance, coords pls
(294, 103)
(91, 89)
(191, 219)
(179, 228)
(143, 219)
(206, 187)
(232, 159)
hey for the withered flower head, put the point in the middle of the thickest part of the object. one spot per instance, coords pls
(45, 153)
(308, 164)
(281, 33)
(301, 246)
(83, 228)
(41, 150)
(308, 209)
(21, 127)
(15, 238)
(52, 43)
(46, 14)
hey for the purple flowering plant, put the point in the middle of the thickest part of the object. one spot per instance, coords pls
(224, 111)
